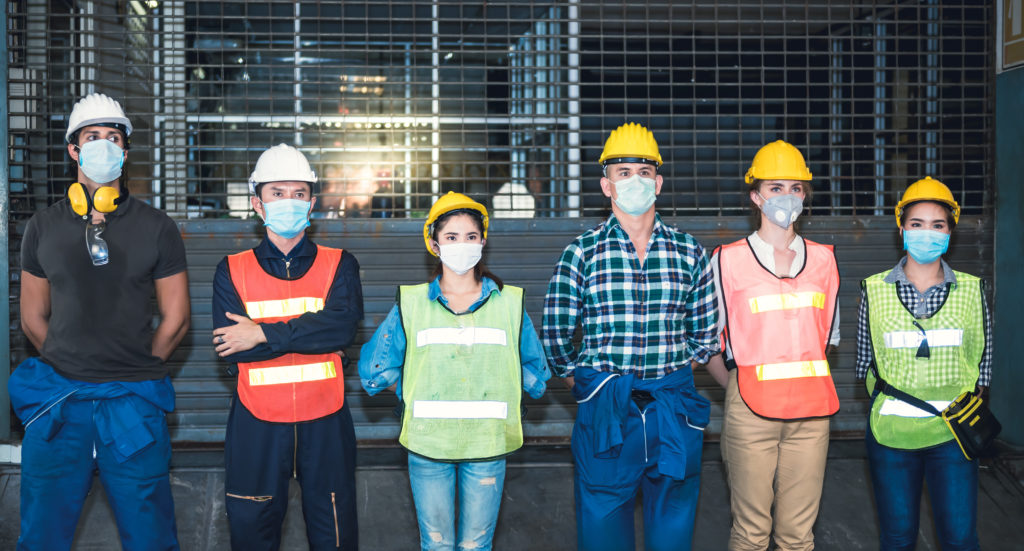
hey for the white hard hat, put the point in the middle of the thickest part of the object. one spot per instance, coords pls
(281, 163)
(97, 109)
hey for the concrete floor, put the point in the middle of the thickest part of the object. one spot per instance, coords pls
(537, 511)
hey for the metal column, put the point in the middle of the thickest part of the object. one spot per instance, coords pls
(5, 238)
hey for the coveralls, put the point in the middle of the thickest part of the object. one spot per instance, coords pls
(261, 456)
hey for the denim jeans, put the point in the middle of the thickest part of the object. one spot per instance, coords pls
(897, 477)
(479, 485)
(605, 488)
(56, 476)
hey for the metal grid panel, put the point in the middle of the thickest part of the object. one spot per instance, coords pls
(396, 102)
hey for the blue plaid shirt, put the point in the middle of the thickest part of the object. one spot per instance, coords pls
(648, 319)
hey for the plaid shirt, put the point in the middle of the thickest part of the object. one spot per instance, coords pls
(649, 319)
(922, 305)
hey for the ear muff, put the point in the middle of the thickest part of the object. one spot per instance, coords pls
(81, 203)
(105, 199)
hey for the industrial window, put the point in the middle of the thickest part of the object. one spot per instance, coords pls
(397, 102)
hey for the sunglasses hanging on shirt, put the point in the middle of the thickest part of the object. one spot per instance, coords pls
(923, 352)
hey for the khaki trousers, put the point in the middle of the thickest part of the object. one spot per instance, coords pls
(772, 463)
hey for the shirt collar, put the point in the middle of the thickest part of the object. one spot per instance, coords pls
(612, 224)
(487, 287)
(266, 249)
(795, 245)
(898, 275)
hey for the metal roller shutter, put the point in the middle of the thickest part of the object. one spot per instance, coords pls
(396, 102)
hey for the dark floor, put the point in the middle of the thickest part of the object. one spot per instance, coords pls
(537, 512)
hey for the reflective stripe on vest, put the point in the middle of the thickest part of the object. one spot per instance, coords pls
(899, 408)
(465, 336)
(462, 382)
(461, 409)
(291, 387)
(792, 370)
(777, 330)
(291, 374)
(790, 301)
(283, 308)
(912, 339)
(956, 344)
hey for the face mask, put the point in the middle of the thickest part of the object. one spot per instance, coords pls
(635, 195)
(782, 210)
(286, 217)
(925, 246)
(101, 160)
(461, 257)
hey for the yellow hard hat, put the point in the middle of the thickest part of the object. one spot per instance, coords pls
(778, 161)
(927, 190)
(449, 202)
(630, 143)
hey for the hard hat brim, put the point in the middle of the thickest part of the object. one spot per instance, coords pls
(622, 160)
(100, 121)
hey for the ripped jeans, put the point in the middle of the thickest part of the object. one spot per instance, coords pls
(434, 484)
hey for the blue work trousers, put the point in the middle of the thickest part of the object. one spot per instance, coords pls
(56, 476)
(897, 476)
(434, 487)
(606, 489)
(261, 457)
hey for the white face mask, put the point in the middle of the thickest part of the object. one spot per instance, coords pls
(461, 257)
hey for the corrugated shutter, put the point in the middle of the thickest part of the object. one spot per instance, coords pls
(403, 101)
(522, 252)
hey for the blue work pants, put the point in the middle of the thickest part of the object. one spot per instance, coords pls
(897, 476)
(606, 489)
(434, 487)
(261, 457)
(56, 476)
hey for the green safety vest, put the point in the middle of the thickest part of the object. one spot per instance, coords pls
(956, 342)
(462, 377)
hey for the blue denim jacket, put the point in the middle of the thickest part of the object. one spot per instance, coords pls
(38, 394)
(603, 404)
(381, 359)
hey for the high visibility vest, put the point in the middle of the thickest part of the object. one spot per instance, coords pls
(462, 377)
(956, 344)
(291, 387)
(778, 328)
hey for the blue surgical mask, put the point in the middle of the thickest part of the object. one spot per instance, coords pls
(635, 195)
(925, 246)
(101, 160)
(782, 210)
(286, 217)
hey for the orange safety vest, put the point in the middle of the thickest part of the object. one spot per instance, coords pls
(778, 328)
(291, 387)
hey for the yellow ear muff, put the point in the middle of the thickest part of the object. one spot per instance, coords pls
(79, 197)
(105, 199)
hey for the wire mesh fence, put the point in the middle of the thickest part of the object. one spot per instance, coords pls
(396, 102)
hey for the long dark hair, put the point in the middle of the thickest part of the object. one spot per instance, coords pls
(480, 270)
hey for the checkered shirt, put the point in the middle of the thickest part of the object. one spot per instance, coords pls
(923, 305)
(649, 319)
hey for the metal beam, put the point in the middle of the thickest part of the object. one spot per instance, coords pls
(5, 238)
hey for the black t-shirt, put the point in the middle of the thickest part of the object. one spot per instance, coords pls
(101, 317)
